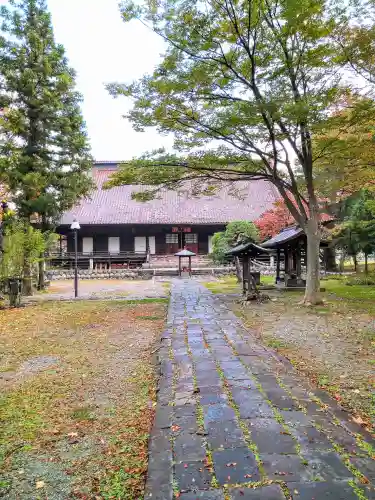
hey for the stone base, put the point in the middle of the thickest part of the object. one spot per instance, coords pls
(133, 274)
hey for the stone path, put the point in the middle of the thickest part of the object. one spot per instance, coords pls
(233, 421)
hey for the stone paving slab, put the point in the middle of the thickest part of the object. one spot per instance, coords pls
(232, 418)
(316, 491)
(270, 437)
(206, 495)
(272, 492)
(237, 465)
(225, 435)
(193, 475)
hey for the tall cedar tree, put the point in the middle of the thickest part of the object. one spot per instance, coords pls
(45, 155)
(243, 87)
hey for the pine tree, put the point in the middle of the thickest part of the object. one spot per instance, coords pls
(45, 154)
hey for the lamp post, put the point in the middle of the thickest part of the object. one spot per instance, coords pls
(75, 227)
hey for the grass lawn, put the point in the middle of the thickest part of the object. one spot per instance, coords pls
(77, 401)
(357, 294)
(332, 344)
(229, 284)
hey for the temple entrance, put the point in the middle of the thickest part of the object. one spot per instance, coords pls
(181, 238)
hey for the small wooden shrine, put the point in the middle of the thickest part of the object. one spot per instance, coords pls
(246, 252)
(291, 248)
(181, 255)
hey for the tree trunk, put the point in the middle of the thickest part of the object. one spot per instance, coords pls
(27, 286)
(366, 263)
(312, 291)
(330, 260)
(252, 292)
(41, 284)
(355, 262)
(238, 269)
(342, 261)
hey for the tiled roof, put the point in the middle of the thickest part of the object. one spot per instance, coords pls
(287, 234)
(250, 248)
(184, 253)
(116, 206)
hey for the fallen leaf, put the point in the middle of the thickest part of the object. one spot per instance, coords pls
(73, 434)
(248, 475)
(231, 464)
(358, 420)
(39, 485)
(175, 428)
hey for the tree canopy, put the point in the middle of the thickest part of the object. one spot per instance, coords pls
(356, 232)
(243, 87)
(235, 232)
(347, 144)
(274, 220)
(44, 154)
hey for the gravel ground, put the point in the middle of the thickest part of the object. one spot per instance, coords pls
(104, 289)
(333, 344)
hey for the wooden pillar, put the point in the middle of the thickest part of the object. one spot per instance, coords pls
(286, 260)
(190, 266)
(245, 272)
(286, 265)
(248, 274)
(298, 262)
(179, 266)
(278, 266)
(291, 264)
(60, 245)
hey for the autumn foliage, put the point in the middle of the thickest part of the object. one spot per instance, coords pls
(274, 220)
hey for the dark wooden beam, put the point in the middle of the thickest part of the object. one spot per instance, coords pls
(278, 265)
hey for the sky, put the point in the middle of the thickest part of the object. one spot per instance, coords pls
(103, 49)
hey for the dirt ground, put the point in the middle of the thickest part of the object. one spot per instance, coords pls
(77, 398)
(333, 345)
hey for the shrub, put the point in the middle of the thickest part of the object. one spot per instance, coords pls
(361, 279)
